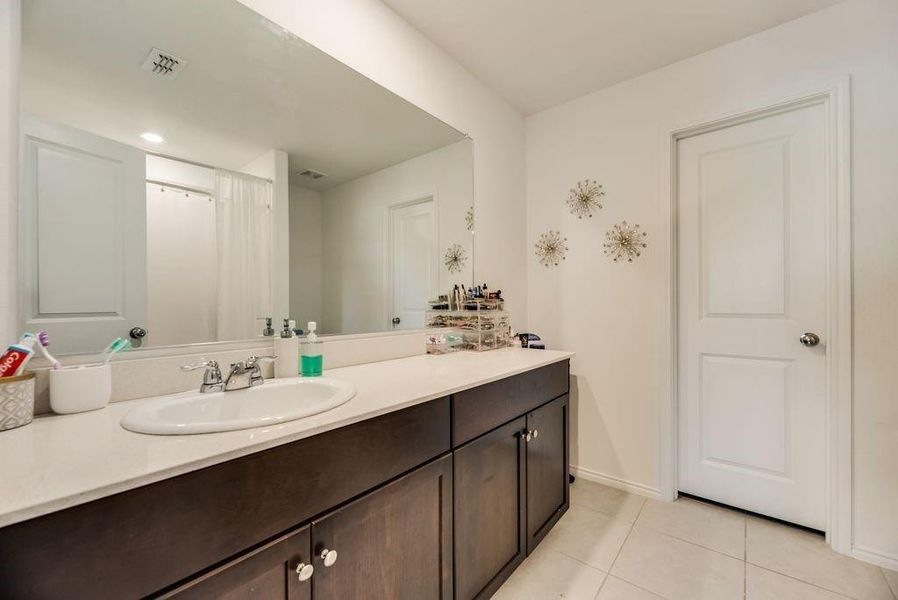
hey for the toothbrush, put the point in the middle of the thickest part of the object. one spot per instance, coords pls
(44, 340)
(117, 345)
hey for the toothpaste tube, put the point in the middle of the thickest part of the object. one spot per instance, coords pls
(14, 359)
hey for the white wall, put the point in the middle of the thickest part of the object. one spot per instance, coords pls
(355, 217)
(612, 315)
(306, 257)
(372, 39)
(273, 165)
(10, 36)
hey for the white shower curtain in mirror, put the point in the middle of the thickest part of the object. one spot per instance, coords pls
(244, 229)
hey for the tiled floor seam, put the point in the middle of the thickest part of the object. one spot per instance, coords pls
(691, 543)
(810, 583)
(888, 585)
(605, 514)
(744, 559)
(621, 549)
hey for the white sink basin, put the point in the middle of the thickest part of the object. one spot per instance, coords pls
(275, 401)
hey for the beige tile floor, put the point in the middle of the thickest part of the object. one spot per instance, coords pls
(612, 545)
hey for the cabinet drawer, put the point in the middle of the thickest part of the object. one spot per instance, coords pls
(481, 409)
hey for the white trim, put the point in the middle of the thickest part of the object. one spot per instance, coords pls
(616, 482)
(886, 561)
(836, 102)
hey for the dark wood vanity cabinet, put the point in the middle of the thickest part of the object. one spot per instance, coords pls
(440, 500)
(395, 542)
(548, 489)
(267, 573)
(511, 483)
(490, 483)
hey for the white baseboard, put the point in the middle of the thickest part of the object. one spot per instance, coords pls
(877, 558)
(616, 482)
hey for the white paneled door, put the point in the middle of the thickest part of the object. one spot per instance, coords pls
(752, 303)
(82, 231)
(414, 255)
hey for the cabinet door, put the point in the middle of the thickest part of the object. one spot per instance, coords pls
(548, 490)
(489, 527)
(267, 573)
(395, 542)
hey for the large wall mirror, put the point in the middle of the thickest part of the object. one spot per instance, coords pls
(190, 168)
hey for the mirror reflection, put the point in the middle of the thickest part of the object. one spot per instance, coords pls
(181, 183)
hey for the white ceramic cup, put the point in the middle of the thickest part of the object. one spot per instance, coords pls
(80, 388)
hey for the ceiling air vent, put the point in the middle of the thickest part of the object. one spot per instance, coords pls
(162, 63)
(311, 174)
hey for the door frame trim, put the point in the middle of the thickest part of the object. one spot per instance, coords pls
(836, 102)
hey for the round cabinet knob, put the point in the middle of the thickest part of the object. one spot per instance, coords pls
(528, 436)
(809, 339)
(304, 571)
(137, 333)
(535, 433)
(329, 557)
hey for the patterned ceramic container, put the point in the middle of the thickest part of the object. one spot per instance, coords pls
(16, 401)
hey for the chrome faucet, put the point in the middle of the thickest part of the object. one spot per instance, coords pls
(243, 374)
(212, 381)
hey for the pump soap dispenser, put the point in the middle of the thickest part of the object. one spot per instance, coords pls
(286, 347)
(312, 360)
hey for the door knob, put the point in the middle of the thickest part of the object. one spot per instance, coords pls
(809, 339)
(304, 571)
(329, 557)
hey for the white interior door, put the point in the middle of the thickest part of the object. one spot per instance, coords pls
(415, 271)
(752, 281)
(82, 230)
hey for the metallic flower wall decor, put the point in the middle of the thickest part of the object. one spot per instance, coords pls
(585, 198)
(455, 258)
(469, 220)
(551, 248)
(624, 241)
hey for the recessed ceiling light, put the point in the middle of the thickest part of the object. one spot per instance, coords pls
(153, 138)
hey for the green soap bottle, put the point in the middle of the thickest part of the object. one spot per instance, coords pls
(311, 359)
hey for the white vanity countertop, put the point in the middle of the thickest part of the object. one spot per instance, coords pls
(60, 461)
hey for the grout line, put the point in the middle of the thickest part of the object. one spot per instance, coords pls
(621, 549)
(691, 543)
(745, 559)
(813, 585)
(882, 570)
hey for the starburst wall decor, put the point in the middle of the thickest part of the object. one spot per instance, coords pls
(551, 248)
(585, 198)
(455, 258)
(624, 241)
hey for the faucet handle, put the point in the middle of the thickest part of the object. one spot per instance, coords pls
(211, 377)
(253, 361)
(211, 364)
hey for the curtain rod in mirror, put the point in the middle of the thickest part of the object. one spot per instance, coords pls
(203, 165)
(183, 188)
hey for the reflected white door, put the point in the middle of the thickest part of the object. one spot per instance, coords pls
(414, 252)
(752, 280)
(82, 229)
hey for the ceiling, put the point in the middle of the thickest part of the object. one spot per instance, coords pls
(248, 86)
(539, 53)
